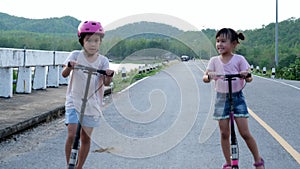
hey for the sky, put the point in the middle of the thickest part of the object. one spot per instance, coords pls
(183, 14)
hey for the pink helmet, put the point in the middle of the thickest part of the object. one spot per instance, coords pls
(90, 27)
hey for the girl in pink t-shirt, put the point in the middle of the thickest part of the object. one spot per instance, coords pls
(229, 63)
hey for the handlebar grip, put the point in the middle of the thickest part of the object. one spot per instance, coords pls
(104, 73)
(237, 75)
(249, 75)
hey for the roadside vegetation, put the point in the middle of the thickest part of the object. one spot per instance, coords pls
(119, 83)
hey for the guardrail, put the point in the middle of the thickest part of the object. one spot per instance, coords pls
(36, 69)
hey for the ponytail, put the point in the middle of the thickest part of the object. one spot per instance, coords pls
(241, 36)
(231, 34)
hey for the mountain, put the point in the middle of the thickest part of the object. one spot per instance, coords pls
(66, 24)
(143, 27)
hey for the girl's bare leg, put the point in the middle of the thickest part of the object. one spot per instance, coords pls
(69, 141)
(225, 133)
(84, 146)
(242, 124)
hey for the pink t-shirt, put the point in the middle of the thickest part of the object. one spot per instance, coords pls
(236, 64)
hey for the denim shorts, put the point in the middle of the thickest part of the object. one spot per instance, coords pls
(72, 117)
(222, 106)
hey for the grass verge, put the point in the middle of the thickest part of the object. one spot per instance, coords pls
(120, 83)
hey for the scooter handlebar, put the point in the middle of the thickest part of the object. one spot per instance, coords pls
(103, 72)
(228, 76)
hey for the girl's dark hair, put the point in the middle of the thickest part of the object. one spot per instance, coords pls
(82, 36)
(230, 34)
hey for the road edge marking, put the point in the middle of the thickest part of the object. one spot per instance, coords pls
(277, 137)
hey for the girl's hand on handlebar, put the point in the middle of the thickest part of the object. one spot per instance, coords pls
(206, 79)
(209, 76)
(71, 64)
(212, 75)
(109, 72)
(246, 75)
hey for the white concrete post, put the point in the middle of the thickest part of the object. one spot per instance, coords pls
(264, 70)
(40, 78)
(257, 69)
(53, 76)
(123, 71)
(140, 69)
(252, 67)
(273, 73)
(6, 85)
(24, 81)
(62, 80)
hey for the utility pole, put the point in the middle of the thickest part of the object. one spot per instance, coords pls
(276, 35)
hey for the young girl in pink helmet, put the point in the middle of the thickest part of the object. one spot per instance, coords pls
(90, 34)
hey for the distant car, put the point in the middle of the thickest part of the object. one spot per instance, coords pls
(185, 58)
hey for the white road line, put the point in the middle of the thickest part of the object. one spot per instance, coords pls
(280, 82)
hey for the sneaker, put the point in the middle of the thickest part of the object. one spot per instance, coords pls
(227, 166)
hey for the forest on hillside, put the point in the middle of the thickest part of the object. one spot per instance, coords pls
(60, 34)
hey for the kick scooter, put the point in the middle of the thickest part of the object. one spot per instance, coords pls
(233, 140)
(90, 71)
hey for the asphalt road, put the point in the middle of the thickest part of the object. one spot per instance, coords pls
(164, 121)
